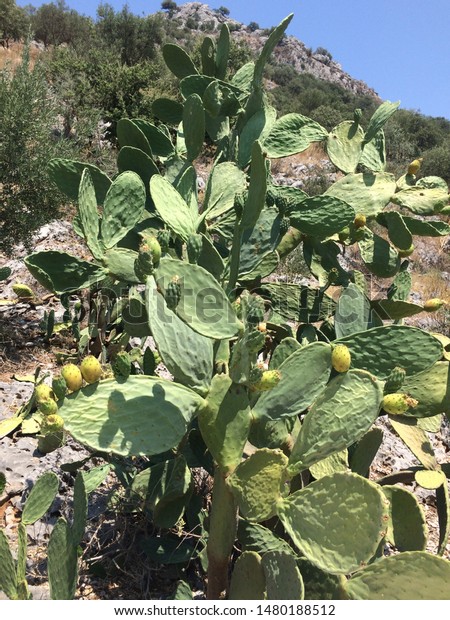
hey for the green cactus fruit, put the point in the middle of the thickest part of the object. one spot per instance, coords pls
(72, 376)
(282, 204)
(91, 369)
(194, 247)
(359, 221)
(163, 238)
(341, 358)
(173, 293)
(270, 197)
(43, 392)
(52, 434)
(52, 424)
(408, 252)
(395, 380)
(255, 375)
(357, 115)
(344, 234)
(269, 379)
(432, 305)
(59, 387)
(255, 310)
(122, 365)
(48, 407)
(22, 291)
(148, 257)
(284, 225)
(398, 403)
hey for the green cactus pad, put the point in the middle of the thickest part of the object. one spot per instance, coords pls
(432, 424)
(224, 182)
(178, 61)
(225, 422)
(443, 510)
(80, 509)
(283, 579)
(158, 137)
(40, 498)
(330, 464)
(380, 349)
(144, 415)
(319, 585)
(421, 200)
(344, 146)
(378, 255)
(256, 128)
(120, 264)
(299, 303)
(413, 575)
(291, 134)
(67, 176)
(286, 347)
(393, 310)
(168, 110)
(341, 415)
(131, 158)
(87, 210)
(256, 537)
(248, 581)
(407, 527)
(62, 273)
(62, 562)
(379, 118)
(193, 126)
(172, 208)
(186, 354)
(321, 258)
(256, 197)
(203, 304)
(415, 439)
(123, 207)
(374, 153)
(366, 192)
(258, 483)
(272, 41)
(362, 455)
(259, 241)
(243, 77)
(429, 479)
(432, 389)
(398, 232)
(304, 374)
(222, 52)
(8, 577)
(353, 312)
(129, 134)
(321, 216)
(426, 229)
(207, 52)
(336, 542)
(164, 489)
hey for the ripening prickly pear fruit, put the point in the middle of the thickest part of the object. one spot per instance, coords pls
(398, 403)
(414, 166)
(122, 365)
(431, 305)
(357, 115)
(255, 309)
(344, 234)
(59, 387)
(43, 392)
(163, 238)
(341, 358)
(262, 327)
(91, 369)
(408, 252)
(194, 247)
(268, 380)
(52, 434)
(48, 406)
(52, 424)
(22, 291)
(173, 293)
(395, 380)
(360, 220)
(72, 376)
(284, 225)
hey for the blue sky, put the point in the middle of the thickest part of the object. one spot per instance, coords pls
(400, 48)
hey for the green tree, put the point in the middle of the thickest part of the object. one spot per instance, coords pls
(13, 22)
(27, 114)
(56, 23)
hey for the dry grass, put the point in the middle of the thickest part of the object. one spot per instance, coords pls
(11, 57)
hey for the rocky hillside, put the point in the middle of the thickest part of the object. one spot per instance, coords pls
(200, 17)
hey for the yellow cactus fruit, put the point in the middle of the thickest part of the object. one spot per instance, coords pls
(22, 291)
(359, 221)
(432, 305)
(91, 369)
(267, 381)
(43, 392)
(398, 403)
(72, 376)
(341, 358)
(414, 166)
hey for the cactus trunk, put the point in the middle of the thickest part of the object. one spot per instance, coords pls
(222, 535)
